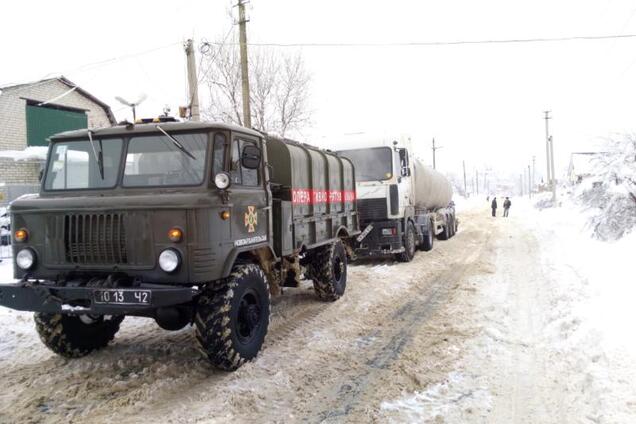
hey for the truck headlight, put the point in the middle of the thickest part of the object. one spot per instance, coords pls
(25, 259)
(222, 180)
(169, 260)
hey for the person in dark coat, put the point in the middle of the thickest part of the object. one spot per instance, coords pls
(493, 205)
(507, 204)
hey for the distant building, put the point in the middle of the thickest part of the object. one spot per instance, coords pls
(581, 166)
(29, 114)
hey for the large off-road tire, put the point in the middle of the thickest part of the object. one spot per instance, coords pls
(427, 244)
(328, 270)
(74, 336)
(232, 317)
(409, 244)
(451, 227)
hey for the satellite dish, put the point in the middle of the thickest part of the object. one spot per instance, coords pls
(132, 105)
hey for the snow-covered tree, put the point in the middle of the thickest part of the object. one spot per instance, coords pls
(611, 190)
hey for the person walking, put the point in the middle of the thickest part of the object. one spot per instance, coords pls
(506, 205)
(493, 205)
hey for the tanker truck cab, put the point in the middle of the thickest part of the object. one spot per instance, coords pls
(391, 220)
(182, 222)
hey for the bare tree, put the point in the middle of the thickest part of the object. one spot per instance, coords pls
(279, 88)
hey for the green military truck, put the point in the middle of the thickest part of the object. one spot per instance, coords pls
(186, 223)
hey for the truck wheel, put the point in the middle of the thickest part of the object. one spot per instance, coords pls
(329, 271)
(409, 244)
(427, 244)
(451, 227)
(75, 336)
(445, 234)
(232, 318)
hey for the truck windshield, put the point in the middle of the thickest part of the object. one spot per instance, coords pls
(155, 160)
(73, 165)
(371, 164)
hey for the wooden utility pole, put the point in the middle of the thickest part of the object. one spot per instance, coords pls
(193, 82)
(245, 80)
(465, 189)
(547, 146)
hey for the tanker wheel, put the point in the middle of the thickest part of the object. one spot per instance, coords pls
(445, 234)
(232, 318)
(451, 227)
(75, 336)
(329, 271)
(409, 244)
(427, 244)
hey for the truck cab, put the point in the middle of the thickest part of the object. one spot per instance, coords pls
(394, 218)
(178, 221)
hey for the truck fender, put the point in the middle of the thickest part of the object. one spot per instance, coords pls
(239, 251)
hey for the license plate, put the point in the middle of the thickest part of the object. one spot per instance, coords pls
(122, 297)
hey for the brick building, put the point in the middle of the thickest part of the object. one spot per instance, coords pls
(29, 114)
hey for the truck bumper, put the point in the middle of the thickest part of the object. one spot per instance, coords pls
(46, 297)
(378, 241)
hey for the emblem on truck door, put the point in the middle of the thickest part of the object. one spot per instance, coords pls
(251, 219)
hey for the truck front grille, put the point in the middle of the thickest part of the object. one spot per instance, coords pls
(372, 210)
(95, 239)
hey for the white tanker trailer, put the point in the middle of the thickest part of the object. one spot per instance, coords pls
(403, 205)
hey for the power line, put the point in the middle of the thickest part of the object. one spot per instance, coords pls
(447, 43)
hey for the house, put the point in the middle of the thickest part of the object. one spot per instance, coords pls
(32, 112)
(581, 166)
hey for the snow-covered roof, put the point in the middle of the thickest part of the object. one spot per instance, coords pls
(31, 153)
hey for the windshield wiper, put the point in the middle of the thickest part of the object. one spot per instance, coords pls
(176, 143)
(99, 158)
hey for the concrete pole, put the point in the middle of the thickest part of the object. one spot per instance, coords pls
(465, 190)
(547, 147)
(193, 82)
(245, 80)
(554, 180)
(529, 183)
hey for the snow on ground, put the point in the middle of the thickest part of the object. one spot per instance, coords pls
(553, 320)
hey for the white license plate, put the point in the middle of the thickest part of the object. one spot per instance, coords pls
(122, 297)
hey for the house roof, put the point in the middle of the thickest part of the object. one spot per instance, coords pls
(70, 84)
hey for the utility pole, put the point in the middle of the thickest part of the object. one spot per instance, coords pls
(435, 148)
(533, 170)
(554, 181)
(476, 181)
(529, 183)
(547, 146)
(465, 190)
(193, 82)
(521, 185)
(245, 81)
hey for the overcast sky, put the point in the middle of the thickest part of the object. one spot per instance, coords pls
(482, 103)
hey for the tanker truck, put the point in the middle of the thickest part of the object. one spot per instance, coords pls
(181, 222)
(403, 205)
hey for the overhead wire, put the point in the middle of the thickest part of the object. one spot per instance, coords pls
(446, 43)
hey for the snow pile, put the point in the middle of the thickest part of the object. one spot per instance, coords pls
(609, 194)
(29, 154)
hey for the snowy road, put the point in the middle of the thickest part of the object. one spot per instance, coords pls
(481, 329)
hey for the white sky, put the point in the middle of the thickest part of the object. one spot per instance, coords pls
(482, 103)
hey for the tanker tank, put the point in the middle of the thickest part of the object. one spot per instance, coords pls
(431, 190)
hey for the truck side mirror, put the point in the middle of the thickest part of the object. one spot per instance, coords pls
(251, 157)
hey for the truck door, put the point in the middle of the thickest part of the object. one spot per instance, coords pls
(250, 215)
(404, 177)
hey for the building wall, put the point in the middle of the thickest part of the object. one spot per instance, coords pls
(13, 126)
(13, 131)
